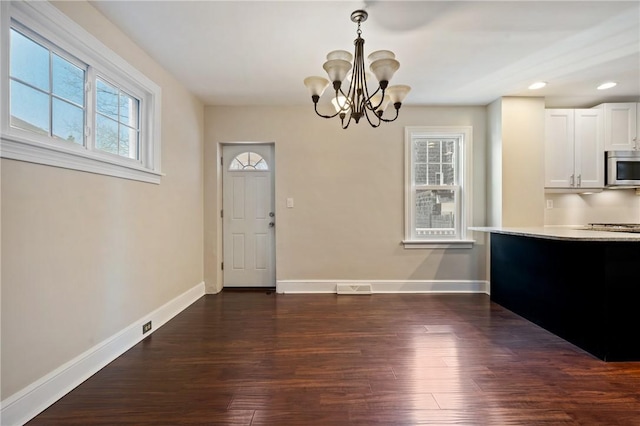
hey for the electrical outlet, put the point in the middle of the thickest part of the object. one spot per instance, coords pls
(146, 327)
(549, 204)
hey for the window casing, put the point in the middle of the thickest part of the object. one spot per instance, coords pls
(77, 105)
(437, 186)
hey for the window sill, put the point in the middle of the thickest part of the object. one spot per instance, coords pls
(438, 244)
(16, 149)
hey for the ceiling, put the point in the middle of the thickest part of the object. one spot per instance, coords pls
(450, 52)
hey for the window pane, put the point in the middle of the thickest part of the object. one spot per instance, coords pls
(261, 165)
(68, 81)
(434, 151)
(128, 110)
(29, 61)
(106, 134)
(434, 175)
(128, 146)
(107, 99)
(420, 150)
(448, 175)
(421, 174)
(448, 150)
(68, 121)
(29, 108)
(248, 161)
(435, 210)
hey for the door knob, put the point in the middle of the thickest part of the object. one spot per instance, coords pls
(271, 214)
(271, 224)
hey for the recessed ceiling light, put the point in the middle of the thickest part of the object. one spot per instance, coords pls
(537, 85)
(607, 85)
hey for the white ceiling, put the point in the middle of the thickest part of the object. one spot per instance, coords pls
(451, 52)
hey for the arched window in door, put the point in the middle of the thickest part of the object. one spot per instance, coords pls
(248, 161)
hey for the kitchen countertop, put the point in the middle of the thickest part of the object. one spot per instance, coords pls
(561, 233)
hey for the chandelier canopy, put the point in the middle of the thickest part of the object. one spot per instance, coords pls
(357, 101)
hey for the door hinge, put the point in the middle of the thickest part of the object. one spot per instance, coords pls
(221, 161)
(221, 213)
(222, 266)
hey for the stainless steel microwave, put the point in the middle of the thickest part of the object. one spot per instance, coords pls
(622, 169)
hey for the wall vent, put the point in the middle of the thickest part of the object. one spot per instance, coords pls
(344, 288)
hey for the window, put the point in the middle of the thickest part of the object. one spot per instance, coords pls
(117, 128)
(248, 161)
(437, 195)
(68, 101)
(46, 90)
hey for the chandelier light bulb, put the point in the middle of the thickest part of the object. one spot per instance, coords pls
(337, 69)
(381, 54)
(340, 54)
(340, 104)
(384, 69)
(398, 93)
(316, 85)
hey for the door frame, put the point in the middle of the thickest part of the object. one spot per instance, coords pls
(219, 205)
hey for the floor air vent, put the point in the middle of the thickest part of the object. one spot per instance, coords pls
(342, 288)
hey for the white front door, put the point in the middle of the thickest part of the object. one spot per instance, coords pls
(248, 216)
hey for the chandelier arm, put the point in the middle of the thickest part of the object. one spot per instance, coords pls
(344, 126)
(397, 107)
(348, 104)
(366, 114)
(373, 108)
(315, 107)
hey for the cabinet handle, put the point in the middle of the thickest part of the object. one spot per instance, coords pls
(579, 180)
(572, 180)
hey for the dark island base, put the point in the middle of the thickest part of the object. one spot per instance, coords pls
(587, 292)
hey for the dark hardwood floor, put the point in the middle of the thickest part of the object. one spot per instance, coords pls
(258, 358)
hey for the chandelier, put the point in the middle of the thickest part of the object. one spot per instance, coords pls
(357, 102)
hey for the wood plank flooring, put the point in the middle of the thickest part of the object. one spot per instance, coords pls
(259, 358)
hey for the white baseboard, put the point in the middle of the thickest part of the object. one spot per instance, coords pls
(384, 286)
(27, 403)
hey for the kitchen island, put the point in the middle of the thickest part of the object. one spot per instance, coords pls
(581, 285)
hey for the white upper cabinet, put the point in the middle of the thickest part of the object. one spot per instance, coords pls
(574, 148)
(621, 121)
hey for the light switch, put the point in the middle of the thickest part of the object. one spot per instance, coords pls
(289, 203)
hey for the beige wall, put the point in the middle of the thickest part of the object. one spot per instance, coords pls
(86, 255)
(516, 160)
(348, 218)
(522, 161)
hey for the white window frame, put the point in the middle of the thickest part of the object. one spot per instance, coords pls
(463, 206)
(50, 24)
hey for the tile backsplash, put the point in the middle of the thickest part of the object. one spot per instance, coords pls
(608, 206)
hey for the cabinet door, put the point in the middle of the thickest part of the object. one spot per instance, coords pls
(620, 126)
(559, 148)
(589, 148)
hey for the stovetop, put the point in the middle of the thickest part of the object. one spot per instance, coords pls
(615, 227)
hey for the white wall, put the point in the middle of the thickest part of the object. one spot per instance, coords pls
(86, 255)
(347, 222)
(494, 163)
